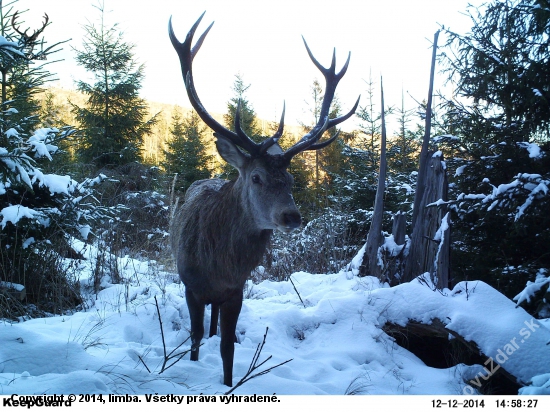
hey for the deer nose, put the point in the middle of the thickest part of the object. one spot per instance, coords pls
(292, 220)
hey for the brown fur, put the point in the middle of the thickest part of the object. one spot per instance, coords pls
(211, 259)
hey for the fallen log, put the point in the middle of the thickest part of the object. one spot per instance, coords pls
(440, 347)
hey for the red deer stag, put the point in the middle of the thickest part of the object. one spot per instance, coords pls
(220, 232)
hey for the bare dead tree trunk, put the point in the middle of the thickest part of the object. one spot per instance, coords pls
(429, 250)
(399, 228)
(370, 264)
(421, 178)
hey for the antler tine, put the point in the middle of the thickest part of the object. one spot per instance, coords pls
(36, 33)
(13, 24)
(186, 55)
(340, 119)
(332, 123)
(318, 146)
(266, 144)
(244, 140)
(308, 141)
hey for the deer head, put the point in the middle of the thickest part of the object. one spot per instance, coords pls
(262, 166)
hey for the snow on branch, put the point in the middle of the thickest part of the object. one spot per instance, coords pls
(15, 213)
(532, 288)
(522, 193)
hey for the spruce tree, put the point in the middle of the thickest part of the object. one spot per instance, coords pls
(249, 123)
(327, 163)
(370, 127)
(502, 76)
(40, 212)
(314, 109)
(23, 64)
(187, 154)
(114, 120)
(403, 148)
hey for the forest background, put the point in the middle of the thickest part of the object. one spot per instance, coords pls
(104, 165)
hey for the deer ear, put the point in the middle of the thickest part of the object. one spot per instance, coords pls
(230, 152)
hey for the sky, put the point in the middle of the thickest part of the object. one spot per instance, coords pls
(261, 40)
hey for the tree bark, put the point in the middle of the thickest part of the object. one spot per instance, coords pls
(399, 228)
(427, 252)
(371, 266)
(421, 178)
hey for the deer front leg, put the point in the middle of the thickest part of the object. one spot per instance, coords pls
(196, 314)
(229, 313)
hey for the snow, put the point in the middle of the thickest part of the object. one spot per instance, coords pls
(444, 137)
(15, 213)
(533, 287)
(8, 47)
(438, 202)
(533, 149)
(55, 183)
(11, 133)
(533, 184)
(479, 313)
(538, 191)
(4, 42)
(84, 231)
(334, 338)
(16, 167)
(540, 383)
(11, 285)
(28, 242)
(460, 170)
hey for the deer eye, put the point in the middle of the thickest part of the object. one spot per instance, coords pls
(256, 179)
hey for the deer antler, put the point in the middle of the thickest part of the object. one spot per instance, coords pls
(28, 40)
(186, 55)
(307, 142)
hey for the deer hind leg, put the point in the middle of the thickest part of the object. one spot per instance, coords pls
(215, 309)
(229, 314)
(196, 314)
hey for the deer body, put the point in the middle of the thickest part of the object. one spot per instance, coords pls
(221, 231)
(214, 259)
(223, 227)
(211, 262)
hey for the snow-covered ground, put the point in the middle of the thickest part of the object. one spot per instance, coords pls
(333, 337)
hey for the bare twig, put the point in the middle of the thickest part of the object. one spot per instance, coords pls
(254, 366)
(173, 206)
(296, 290)
(144, 364)
(168, 357)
